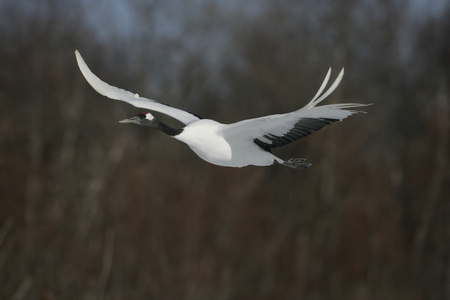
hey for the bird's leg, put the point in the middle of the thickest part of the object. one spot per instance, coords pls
(296, 163)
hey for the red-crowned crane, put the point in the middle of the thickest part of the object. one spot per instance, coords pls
(248, 142)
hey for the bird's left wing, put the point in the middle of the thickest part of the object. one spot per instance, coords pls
(134, 99)
(278, 130)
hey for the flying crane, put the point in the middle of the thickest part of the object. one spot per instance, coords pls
(248, 142)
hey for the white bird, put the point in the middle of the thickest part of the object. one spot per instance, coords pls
(248, 142)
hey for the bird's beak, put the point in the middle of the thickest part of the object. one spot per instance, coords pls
(131, 120)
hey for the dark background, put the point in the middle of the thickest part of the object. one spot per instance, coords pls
(93, 209)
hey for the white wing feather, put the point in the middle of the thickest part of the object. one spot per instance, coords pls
(324, 84)
(134, 99)
(335, 84)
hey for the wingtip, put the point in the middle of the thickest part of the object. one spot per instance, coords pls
(341, 72)
(78, 56)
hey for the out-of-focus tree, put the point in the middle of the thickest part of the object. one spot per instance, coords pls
(91, 209)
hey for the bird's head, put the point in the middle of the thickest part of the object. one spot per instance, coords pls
(144, 119)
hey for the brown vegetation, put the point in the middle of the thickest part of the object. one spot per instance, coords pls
(91, 209)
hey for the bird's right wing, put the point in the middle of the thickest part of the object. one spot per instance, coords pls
(278, 130)
(134, 99)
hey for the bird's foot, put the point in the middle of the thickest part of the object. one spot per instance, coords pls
(297, 163)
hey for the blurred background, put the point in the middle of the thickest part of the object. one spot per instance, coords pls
(93, 209)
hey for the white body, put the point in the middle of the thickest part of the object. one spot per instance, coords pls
(206, 138)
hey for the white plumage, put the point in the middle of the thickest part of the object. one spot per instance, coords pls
(248, 142)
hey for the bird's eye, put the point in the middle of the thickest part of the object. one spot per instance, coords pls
(141, 116)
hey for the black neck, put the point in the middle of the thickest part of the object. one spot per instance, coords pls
(155, 123)
(167, 129)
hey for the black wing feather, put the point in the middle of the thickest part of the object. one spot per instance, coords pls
(300, 130)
